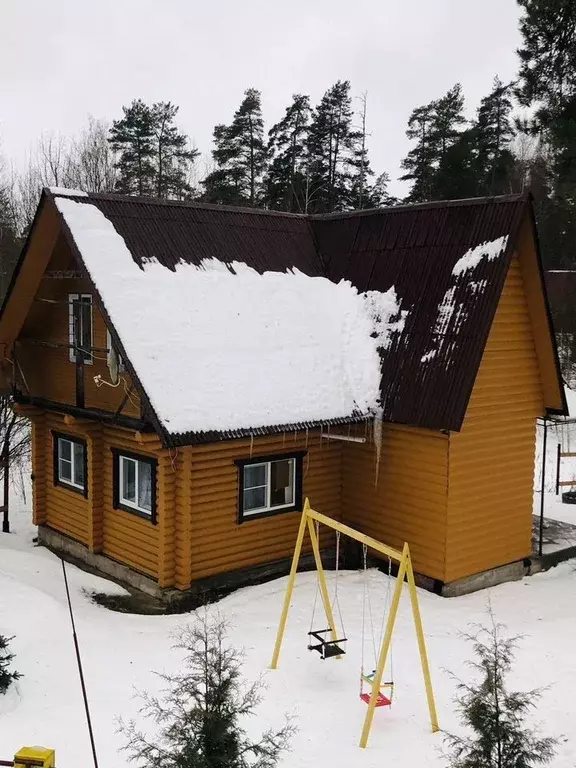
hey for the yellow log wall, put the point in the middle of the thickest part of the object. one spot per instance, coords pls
(48, 371)
(65, 510)
(130, 539)
(492, 459)
(405, 498)
(218, 543)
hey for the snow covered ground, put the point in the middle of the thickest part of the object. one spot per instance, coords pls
(120, 652)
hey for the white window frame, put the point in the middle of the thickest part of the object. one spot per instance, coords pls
(64, 480)
(127, 502)
(247, 513)
(71, 298)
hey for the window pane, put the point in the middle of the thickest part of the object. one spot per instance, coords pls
(144, 485)
(282, 482)
(79, 478)
(255, 475)
(65, 449)
(65, 470)
(128, 489)
(254, 498)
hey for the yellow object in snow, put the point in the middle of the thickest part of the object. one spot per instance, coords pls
(34, 756)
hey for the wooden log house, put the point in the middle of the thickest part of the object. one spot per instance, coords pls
(447, 467)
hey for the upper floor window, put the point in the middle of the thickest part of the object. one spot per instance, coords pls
(70, 462)
(268, 485)
(80, 326)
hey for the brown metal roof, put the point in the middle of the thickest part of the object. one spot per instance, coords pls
(413, 248)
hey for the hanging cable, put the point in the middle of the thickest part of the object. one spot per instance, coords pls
(317, 526)
(336, 600)
(80, 671)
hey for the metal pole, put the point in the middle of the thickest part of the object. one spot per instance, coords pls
(558, 458)
(542, 489)
(5, 462)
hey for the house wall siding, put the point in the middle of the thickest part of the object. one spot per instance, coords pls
(491, 462)
(48, 371)
(402, 497)
(218, 542)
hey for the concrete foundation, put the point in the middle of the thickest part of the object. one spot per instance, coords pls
(510, 572)
(214, 586)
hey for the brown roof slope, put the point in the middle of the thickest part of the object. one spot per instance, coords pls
(415, 249)
(191, 232)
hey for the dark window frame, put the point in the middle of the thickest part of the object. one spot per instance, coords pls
(56, 463)
(79, 300)
(151, 517)
(298, 456)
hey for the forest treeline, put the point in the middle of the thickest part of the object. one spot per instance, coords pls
(315, 159)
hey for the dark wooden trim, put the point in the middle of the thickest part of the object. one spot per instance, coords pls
(116, 453)
(72, 439)
(80, 400)
(93, 414)
(298, 480)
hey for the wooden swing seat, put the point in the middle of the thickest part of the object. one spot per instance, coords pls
(381, 701)
(326, 648)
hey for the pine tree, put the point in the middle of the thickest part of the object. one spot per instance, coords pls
(240, 155)
(457, 174)
(132, 138)
(500, 736)
(286, 178)
(547, 83)
(419, 162)
(173, 154)
(547, 75)
(436, 127)
(494, 134)
(203, 710)
(10, 242)
(363, 191)
(331, 152)
(6, 676)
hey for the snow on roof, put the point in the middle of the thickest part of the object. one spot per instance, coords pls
(221, 347)
(453, 311)
(472, 258)
(63, 192)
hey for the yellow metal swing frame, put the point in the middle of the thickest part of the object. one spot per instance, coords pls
(309, 516)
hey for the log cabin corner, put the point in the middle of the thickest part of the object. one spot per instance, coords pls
(168, 454)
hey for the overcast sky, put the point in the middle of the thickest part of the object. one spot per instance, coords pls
(61, 60)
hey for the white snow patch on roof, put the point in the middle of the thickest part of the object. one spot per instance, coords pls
(219, 351)
(63, 192)
(489, 250)
(429, 356)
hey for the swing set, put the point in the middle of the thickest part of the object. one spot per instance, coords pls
(330, 643)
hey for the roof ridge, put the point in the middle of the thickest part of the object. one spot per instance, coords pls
(430, 204)
(146, 200)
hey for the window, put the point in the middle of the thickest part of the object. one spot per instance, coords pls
(70, 462)
(113, 352)
(269, 485)
(80, 326)
(135, 484)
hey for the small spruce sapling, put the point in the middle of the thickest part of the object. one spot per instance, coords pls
(500, 735)
(6, 676)
(202, 711)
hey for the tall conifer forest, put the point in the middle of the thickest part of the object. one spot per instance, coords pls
(315, 157)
